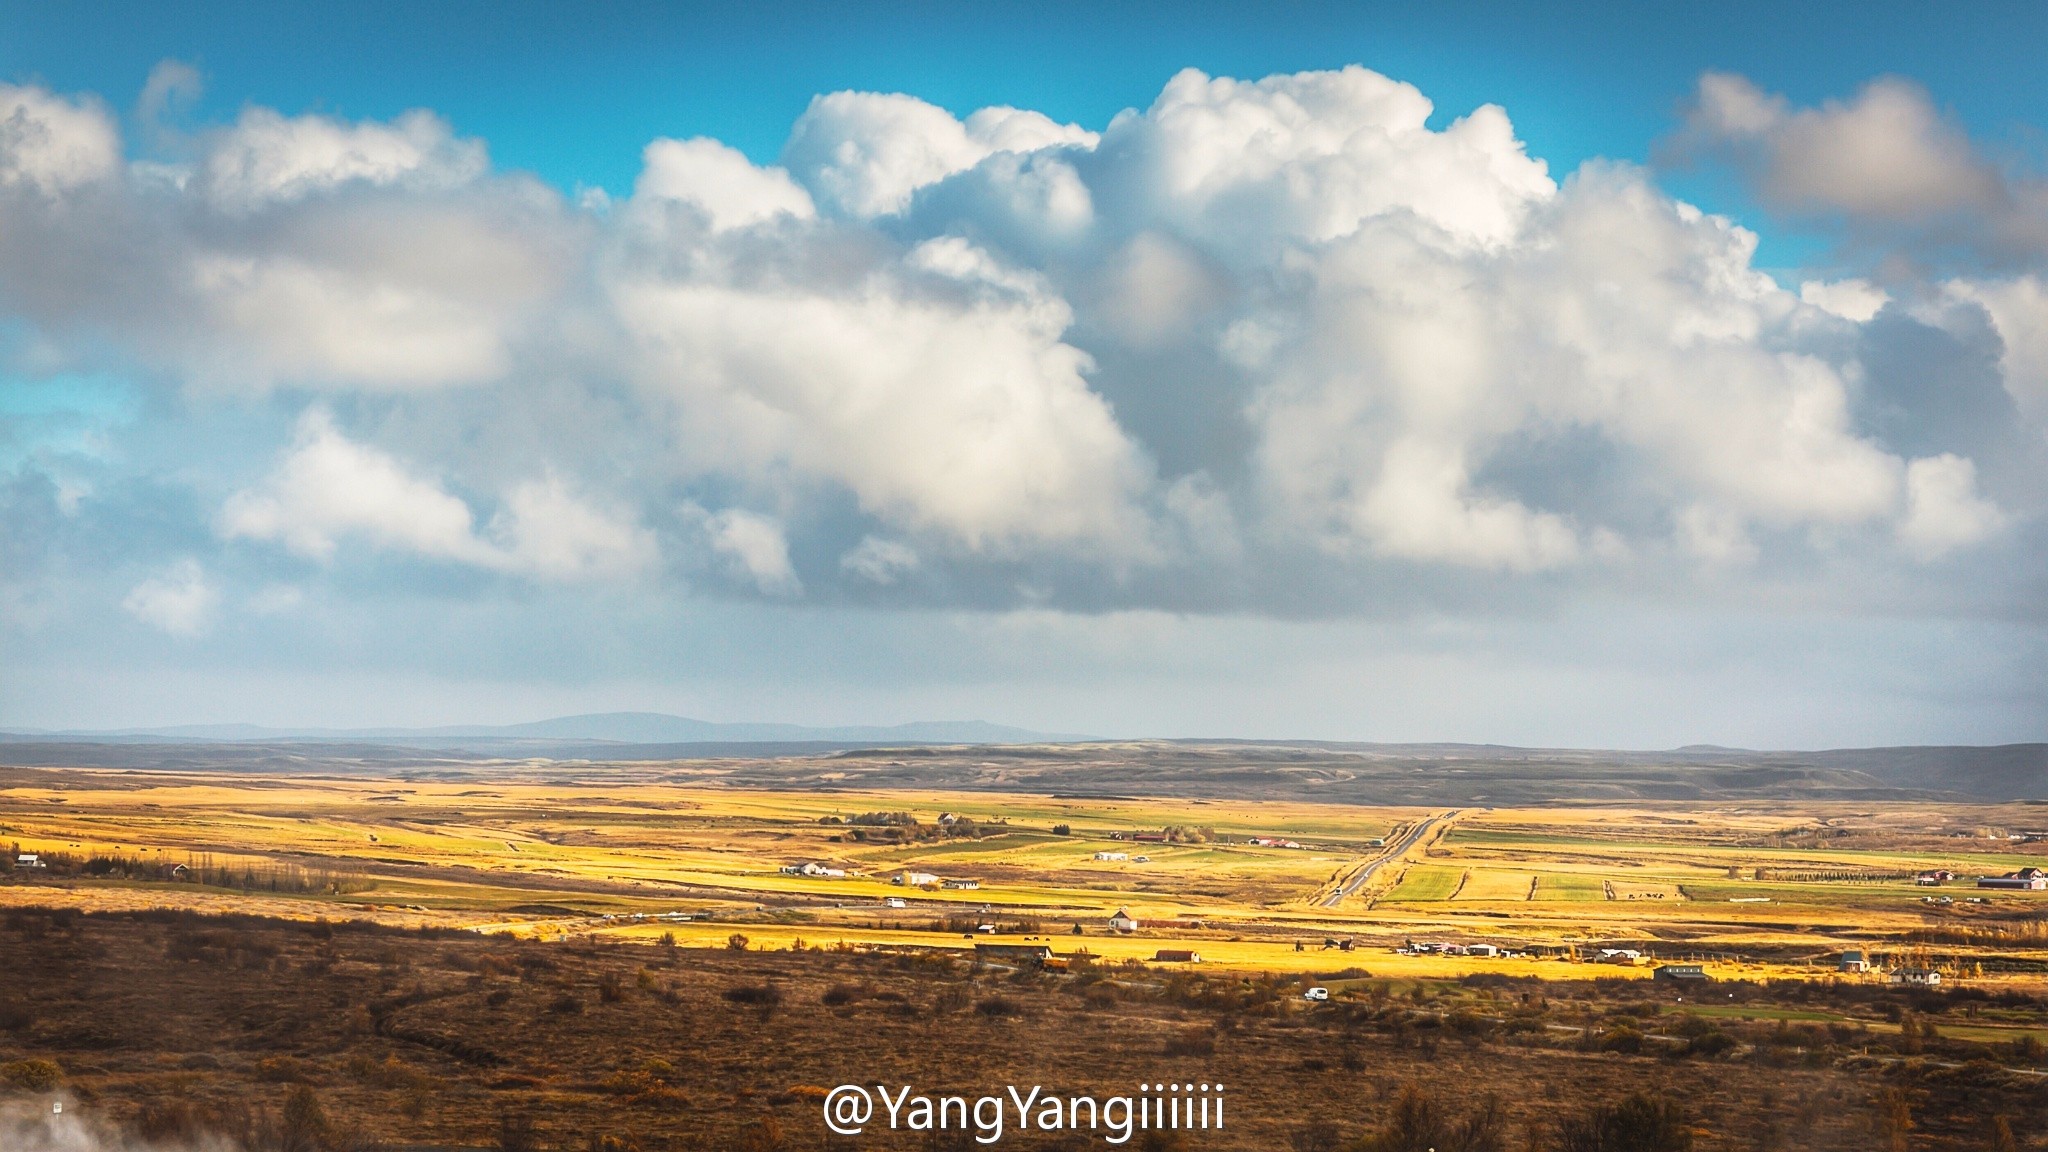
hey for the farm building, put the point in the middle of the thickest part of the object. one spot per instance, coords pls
(1112, 855)
(913, 879)
(1028, 955)
(1123, 922)
(1679, 972)
(1620, 956)
(1481, 950)
(814, 869)
(960, 884)
(1919, 977)
(1853, 961)
(895, 902)
(28, 860)
(1271, 842)
(1176, 956)
(2028, 879)
(1934, 876)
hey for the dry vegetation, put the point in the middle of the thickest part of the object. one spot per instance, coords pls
(173, 1025)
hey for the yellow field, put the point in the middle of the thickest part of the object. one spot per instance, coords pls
(539, 853)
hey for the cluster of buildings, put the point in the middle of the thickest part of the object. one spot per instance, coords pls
(1438, 948)
(2025, 880)
(909, 879)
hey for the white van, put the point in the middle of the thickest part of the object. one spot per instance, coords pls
(1316, 994)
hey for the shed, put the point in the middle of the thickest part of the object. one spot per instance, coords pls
(1176, 956)
(1027, 955)
(1123, 921)
(1853, 961)
(1691, 972)
(1918, 977)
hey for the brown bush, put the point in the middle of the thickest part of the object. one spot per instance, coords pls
(32, 1075)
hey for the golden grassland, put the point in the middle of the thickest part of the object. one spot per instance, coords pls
(1775, 888)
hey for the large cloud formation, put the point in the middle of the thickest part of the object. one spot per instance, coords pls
(1271, 346)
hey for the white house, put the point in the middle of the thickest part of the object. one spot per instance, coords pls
(1123, 922)
(1481, 950)
(1920, 977)
(1112, 855)
(960, 884)
(29, 860)
(913, 879)
(1619, 956)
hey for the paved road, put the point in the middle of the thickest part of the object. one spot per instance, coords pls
(1394, 852)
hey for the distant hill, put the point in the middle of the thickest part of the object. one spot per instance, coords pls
(988, 757)
(601, 727)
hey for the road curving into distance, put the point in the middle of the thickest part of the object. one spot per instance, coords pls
(1394, 852)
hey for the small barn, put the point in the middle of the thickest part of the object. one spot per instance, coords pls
(1176, 956)
(1123, 921)
(913, 879)
(1022, 955)
(960, 884)
(1853, 961)
(1681, 972)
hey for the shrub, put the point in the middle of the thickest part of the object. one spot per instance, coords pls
(736, 942)
(999, 1006)
(1191, 1043)
(759, 995)
(499, 997)
(565, 1005)
(839, 994)
(610, 988)
(32, 1075)
(516, 1134)
(1639, 1123)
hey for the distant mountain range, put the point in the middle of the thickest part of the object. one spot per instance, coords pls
(602, 727)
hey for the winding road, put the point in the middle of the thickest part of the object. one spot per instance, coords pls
(1394, 852)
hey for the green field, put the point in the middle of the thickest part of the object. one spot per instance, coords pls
(1427, 882)
(1569, 886)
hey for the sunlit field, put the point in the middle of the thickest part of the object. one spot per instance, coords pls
(1774, 888)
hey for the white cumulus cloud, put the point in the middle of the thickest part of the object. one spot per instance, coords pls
(180, 600)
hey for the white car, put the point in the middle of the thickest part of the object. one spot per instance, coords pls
(1316, 994)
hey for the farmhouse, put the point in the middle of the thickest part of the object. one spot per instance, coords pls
(1853, 961)
(1112, 855)
(1123, 922)
(29, 860)
(1919, 977)
(814, 869)
(913, 879)
(1934, 876)
(2031, 879)
(960, 884)
(1692, 972)
(1271, 842)
(1176, 956)
(1620, 956)
(1027, 955)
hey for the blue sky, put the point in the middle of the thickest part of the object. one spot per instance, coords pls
(1260, 410)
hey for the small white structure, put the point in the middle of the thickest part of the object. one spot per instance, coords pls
(1112, 855)
(1620, 956)
(895, 902)
(1316, 994)
(961, 884)
(1481, 950)
(1123, 922)
(1853, 961)
(29, 860)
(1917, 977)
(913, 879)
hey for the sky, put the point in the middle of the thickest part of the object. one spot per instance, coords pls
(1630, 377)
